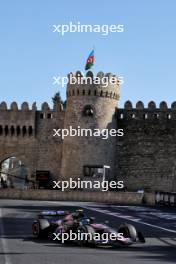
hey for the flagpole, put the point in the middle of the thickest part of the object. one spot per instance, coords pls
(94, 56)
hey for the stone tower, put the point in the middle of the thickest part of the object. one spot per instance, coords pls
(90, 105)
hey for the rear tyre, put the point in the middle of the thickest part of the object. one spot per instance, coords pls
(40, 229)
(35, 228)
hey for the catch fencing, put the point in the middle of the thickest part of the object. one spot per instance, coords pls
(165, 198)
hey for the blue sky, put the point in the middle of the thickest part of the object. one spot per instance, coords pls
(31, 54)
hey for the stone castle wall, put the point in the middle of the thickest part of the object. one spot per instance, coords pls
(145, 157)
(27, 134)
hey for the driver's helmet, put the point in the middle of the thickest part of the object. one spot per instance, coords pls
(78, 214)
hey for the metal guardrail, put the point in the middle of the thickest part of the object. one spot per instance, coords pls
(165, 198)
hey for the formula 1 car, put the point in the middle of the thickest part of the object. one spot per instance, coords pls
(88, 232)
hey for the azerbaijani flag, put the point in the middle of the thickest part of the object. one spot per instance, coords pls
(90, 61)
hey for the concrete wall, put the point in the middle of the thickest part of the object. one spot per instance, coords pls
(83, 196)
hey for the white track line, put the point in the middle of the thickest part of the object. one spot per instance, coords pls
(133, 220)
(136, 220)
(3, 240)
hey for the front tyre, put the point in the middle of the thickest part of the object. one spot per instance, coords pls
(129, 231)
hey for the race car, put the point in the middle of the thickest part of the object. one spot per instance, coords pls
(60, 223)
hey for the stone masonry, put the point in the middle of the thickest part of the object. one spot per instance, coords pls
(145, 157)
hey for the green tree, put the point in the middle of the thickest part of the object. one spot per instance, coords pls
(57, 99)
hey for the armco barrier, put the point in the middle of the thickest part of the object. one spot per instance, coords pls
(165, 198)
(83, 196)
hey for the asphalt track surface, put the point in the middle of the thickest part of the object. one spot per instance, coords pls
(18, 246)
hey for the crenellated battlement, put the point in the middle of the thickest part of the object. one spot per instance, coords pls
(103, 85)
(128, 112)
(14, 106)
(90, 75)
(24, 107)
(151, 112)
(23, 121)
